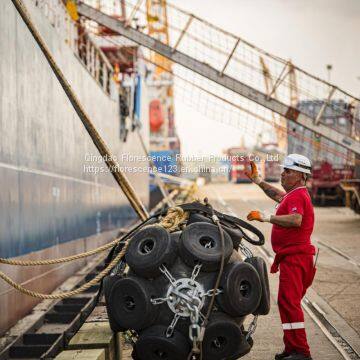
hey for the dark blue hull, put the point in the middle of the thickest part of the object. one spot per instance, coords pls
(52, 204)
(48, 195)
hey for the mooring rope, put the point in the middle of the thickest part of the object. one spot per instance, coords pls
(175, 216)
(67, 294)
(59, 260)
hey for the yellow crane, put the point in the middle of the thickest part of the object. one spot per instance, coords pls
(157, 21)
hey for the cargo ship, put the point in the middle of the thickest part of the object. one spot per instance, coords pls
(57, 197)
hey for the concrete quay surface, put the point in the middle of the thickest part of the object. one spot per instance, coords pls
(337, 280)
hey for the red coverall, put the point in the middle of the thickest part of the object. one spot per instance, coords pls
(294, 256)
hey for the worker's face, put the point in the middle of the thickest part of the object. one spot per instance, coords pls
(291, 178)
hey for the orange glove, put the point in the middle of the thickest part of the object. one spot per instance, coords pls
(254, 174)
(259, 216)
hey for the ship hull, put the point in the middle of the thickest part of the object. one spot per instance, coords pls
(57, 197)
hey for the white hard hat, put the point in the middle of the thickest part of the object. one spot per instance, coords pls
(297, 162)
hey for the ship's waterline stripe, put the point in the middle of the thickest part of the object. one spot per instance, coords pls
(54, 175)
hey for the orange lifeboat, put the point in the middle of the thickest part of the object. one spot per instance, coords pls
(156, 115)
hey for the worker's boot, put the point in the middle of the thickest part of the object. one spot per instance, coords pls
(282, 355)
(296, 356)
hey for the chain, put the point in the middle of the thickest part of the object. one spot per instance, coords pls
(119, 268)
(158, 301)
(194, 329)
(167, 274)
(170, 329)
(147, 249)
(245, 250)
(252, 327)
(130, 337)
(211, 292)
(195, 271)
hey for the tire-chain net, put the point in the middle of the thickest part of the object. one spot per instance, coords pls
(159, 294)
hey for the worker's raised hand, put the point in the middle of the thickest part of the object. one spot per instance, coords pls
(258, 216)
(253, 175)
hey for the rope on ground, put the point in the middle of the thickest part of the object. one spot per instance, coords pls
(60, 260)
(175, 216)
(113, 166)
(67, 294)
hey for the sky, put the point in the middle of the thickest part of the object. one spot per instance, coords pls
(312, 33)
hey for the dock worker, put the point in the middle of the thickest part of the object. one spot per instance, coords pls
(290, 239)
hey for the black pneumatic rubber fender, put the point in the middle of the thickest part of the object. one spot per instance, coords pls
(154, 345)
(128, 303)
(241, 287)
(260, 266)
(219, 340)
(244, 347)
(192, 246)
(149, 249)
(198, 207)
(108, 282)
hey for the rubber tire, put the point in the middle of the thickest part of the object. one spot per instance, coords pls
(225, 329)
(163, 251)
(235, 233)
(192, 252)
(260, 266)
(234, 301)
(152, 341)
(141, 314)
